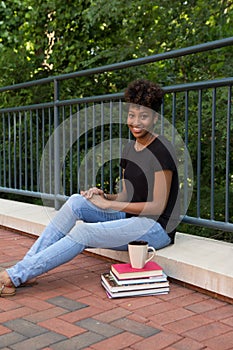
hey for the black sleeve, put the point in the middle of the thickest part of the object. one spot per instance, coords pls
(165, 157)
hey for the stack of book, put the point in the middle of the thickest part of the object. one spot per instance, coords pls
(125, 281)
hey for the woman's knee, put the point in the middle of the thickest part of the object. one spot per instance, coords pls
(75, 201)
(74, 197)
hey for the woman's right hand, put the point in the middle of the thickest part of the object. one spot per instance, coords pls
(92, 191)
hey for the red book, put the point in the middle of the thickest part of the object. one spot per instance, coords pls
(123, 271)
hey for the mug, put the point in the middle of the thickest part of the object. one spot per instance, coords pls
(138, 253)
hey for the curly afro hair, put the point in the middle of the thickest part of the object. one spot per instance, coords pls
(145, 93)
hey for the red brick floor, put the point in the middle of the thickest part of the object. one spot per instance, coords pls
(69, 309)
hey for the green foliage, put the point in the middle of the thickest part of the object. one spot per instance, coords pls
(40, 38)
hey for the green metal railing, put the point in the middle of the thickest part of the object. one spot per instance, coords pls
(53, 149)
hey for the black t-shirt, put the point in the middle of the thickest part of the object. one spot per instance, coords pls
(139, 168)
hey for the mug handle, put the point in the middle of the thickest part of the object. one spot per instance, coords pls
(151, 257)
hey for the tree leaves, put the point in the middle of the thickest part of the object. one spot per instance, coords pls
(58, 37)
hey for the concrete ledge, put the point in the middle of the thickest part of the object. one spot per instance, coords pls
(201, 262)
(24, 217)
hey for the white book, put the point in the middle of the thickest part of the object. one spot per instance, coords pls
(132, 293)
(161, 278)
(112, 285)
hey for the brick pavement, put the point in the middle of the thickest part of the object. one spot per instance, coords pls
(69, 309)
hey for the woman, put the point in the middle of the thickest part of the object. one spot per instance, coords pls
(147, 208)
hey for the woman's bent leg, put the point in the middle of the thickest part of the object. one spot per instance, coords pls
(76, 208)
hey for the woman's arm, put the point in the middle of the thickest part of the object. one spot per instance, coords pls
(162, 185)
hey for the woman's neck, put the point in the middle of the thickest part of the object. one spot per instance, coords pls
(142, 143)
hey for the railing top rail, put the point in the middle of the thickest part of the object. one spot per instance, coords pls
(121, 65)
(200, 85)
(92, 99)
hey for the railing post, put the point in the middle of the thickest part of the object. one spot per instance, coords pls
(57, 203)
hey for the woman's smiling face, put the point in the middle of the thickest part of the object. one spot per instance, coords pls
(141, 120)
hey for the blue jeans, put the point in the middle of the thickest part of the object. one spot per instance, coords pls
(64, 238)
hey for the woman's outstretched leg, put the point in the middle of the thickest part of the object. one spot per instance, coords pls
(68, 247)
(55, 246)
(47, 259)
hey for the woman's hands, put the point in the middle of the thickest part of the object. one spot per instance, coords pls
(92, 191)
(111, 201)
(96, 196)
